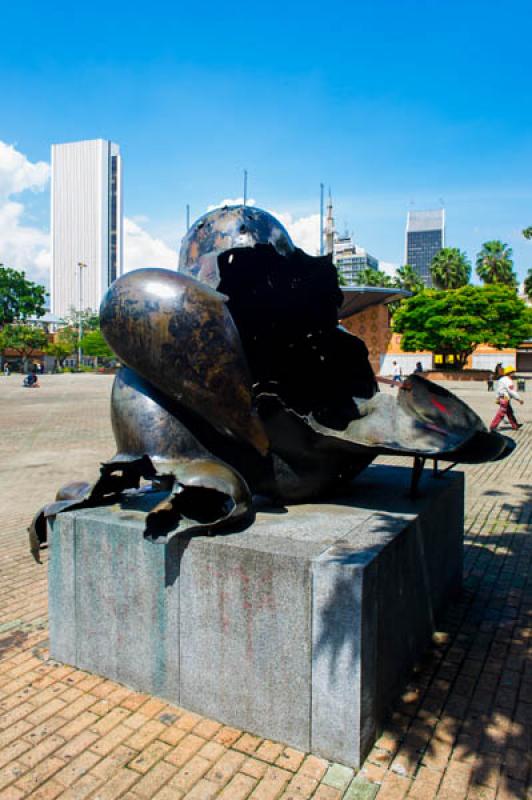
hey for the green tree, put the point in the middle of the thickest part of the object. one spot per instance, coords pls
(450, 268)
(528, 284)
(455, 322)
(19, 297)
(372, 277)
(341, 280)
(24, 340)
(93, 344)
(407, 278)
(495, 265)
(63, 345)
(527, 233)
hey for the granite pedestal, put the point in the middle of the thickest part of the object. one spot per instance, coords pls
(302, 628)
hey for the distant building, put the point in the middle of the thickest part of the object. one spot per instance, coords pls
(347, 256)
(351, 259)
(86, 223)
(425, 236)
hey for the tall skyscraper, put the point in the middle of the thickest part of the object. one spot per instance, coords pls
(86, 223)
(425, 236)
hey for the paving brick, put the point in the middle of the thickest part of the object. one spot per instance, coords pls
(186, 748)
(269, 751)
(290, 759)
(394, 787)
(172, 735)
(247, 743)
(327, 793)
(204, 790)
(39, 774)
(239, 788)
(105, 768)
(150, 756)
(227, 736)
(76, 768)
(145, 735)
(207, 728)
(41, 750)
(10, 773)
(338, 776)
(48, 791)
(272, 784)
(360, 790)
(150, 784)
(212, 751)
(11, 793)
(225, 767)
(302, 785)
(314, 767)
(254, 768)
(117, 785)
(107, 743)
(12, 751)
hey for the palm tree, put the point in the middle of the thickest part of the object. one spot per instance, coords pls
(407, 278)
(527, 233)
(450, 268)
(372, 277)
(495, 265)
(528, 284)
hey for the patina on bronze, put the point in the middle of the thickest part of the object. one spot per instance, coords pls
(240, 382)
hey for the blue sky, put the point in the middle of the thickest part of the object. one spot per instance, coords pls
(395, 105)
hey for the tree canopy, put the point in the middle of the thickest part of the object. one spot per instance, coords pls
(59, 349)
(454, 322)
(495, 264)
(93, 344)
(407, 278)
(528, 284)
(450, 268)
(527, 233)
(25, 340)
(19, 297)
(372, 277)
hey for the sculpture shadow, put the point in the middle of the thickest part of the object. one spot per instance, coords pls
(468, 699)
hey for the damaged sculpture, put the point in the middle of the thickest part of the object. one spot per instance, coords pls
(239, 381)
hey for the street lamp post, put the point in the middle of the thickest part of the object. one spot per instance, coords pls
(81, 266)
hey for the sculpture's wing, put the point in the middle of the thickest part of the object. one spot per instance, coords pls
(179, 335)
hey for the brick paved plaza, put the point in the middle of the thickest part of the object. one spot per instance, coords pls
(460, 730)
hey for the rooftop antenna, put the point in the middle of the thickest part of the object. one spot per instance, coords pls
(245, 187)
(321, 219)
(188, 217)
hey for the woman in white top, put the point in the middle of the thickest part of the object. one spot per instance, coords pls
(505, 392)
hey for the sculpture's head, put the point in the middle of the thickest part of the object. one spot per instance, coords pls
(226, 228)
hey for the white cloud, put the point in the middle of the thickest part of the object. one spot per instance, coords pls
(304, 231)
(17, 173)
(143, 250)
(22, 246)
(388, 267)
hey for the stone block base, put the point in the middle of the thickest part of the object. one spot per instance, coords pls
(302, 628)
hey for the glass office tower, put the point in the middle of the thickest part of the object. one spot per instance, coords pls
(425, 236)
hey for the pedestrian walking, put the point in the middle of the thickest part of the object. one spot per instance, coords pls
(397, 373)
(6, 370)
(505, 394)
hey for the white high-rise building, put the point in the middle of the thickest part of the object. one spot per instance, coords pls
(86, 223)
